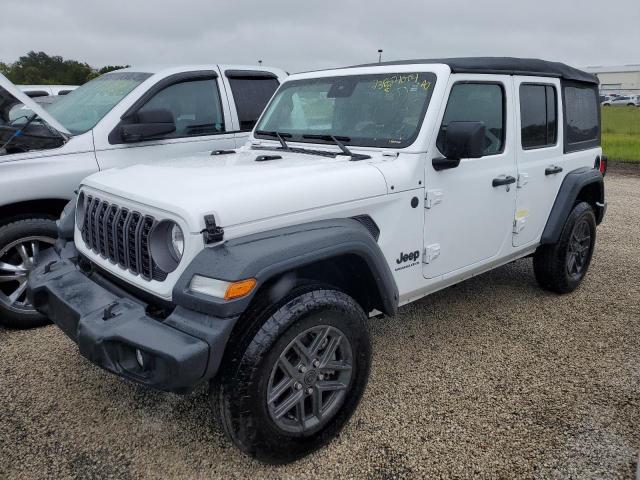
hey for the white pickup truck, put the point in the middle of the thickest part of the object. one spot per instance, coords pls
(134, 115)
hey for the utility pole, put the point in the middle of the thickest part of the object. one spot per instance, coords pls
(379, 55)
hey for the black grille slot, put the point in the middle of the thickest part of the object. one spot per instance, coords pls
(121, 236)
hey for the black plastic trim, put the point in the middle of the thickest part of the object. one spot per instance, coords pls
(249, 74)
(571, 186)
(266, 255)
(182, 350)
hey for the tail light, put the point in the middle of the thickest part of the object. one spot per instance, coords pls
(601, 164)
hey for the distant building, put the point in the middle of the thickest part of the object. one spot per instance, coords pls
(624, 79)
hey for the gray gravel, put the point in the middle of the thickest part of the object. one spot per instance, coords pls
(491, 378)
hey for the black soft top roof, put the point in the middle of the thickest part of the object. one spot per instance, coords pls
(504, 66)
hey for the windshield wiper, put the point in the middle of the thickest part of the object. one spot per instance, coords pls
(278, 135)
(338, 141)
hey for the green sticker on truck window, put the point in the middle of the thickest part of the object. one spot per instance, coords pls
(395, 81)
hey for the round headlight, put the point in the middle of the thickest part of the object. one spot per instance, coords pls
(80, 210)
(177, 242)
(166, 244)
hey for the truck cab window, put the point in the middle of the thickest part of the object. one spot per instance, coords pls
(251, 94)
(195, 106)
(477, 102)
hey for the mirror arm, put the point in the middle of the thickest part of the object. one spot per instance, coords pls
(443, 163)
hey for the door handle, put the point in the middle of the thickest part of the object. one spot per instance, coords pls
(552, 170)
(508, 180)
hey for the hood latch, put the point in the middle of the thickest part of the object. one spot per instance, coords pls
(212, 233)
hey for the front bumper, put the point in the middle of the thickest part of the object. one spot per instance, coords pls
(113, 330)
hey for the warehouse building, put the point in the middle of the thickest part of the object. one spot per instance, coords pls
(624, 79)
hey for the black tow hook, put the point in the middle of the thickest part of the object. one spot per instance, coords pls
(108, 313)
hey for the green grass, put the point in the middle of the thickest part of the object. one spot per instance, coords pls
(621, 133)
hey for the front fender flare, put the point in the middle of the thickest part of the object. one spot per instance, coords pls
(265, 255)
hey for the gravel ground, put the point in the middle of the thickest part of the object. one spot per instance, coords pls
(491, 378)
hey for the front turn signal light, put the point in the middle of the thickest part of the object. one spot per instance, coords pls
(239, 289)
(221, 288)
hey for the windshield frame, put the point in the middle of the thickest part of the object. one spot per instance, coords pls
(69, 98)
(430, 75)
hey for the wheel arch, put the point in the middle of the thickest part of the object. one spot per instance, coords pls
(581, 185)
(339, 252)
(49, 207)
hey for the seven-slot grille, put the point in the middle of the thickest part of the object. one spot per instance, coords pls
(120, 235)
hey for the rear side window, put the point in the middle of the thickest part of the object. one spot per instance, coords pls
(478, 102)
(582, 117)
(538, 116)
(251, 93)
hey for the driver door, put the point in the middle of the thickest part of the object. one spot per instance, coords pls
(468, 220)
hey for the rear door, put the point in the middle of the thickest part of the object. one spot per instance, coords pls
(249, 92)
(200, 111)
(539, 148)
(468, 221)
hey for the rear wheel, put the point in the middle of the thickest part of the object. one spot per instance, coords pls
(561, 267)
(20, 242)
(295, 376)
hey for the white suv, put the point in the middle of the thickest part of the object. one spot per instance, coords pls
(362, 189)
(129, 116)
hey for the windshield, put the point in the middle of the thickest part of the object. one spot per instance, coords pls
(84, 107)
(380, 110)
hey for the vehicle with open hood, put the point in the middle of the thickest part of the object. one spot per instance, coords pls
(129, 116)
(362, 189)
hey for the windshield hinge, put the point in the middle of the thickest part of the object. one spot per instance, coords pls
(212, 233)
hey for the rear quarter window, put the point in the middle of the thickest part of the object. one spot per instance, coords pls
(581, 117)
(251, 93)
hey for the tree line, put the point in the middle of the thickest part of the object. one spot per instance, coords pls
(38, 68)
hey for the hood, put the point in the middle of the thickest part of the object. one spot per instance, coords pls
(237, 189)
(10, 95)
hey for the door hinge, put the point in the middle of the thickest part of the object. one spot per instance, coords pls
(433, 198)
(523, 179)
(431, 252)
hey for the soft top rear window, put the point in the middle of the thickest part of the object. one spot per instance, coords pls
(581, 116)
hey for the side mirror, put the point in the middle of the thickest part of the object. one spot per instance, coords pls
(148, 124)
(461, 140)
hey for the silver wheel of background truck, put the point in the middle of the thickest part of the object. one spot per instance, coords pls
(20, 242)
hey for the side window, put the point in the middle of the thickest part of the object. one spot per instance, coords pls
(582, 117)
(195, 106)
(477, 102)
(538, 116)
(251, 94)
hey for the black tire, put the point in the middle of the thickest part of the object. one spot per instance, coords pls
(17, 314)
(239, 396)
(552, 264)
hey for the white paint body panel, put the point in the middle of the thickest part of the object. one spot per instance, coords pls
(56, 173)
(470, 224)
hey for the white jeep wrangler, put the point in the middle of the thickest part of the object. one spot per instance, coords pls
(362, 189)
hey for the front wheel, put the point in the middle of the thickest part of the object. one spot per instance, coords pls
(20, 242)
(295, 376)
(561, 267)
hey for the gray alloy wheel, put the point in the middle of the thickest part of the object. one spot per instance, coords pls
(16, 260)
(579, 246)
(309, 381)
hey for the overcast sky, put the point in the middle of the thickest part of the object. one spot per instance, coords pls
(303, 35)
